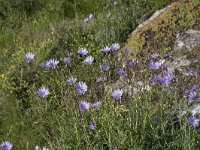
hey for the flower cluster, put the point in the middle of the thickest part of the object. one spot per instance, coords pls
(114, 47)
(164, 79)
(52, 63)
(154, 65)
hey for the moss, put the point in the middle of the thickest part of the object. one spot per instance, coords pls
(159, 34)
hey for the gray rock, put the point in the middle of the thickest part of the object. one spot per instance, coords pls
(177, 63)
(187, 40)
(129, 86)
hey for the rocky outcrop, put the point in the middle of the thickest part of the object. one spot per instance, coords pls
(168, 30)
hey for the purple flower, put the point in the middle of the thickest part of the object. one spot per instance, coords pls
(154, 65)
(67, 60)
(166, 79)
(82, 51)
(43, 92)
(164, 68)
(29, 57)
(71, 81)
(101, 79)
(193, 121)
(105, 49)
(115, 47)
(191, 95)
(83, 105)
(168, 54)
(53, 63)
(117, 94)
(92, 126)
(96, 104)
(104, 67)
(6, 145)
(45, 64)
(81, 88)
(127, 51)
(88, 60)
(154, 56)
(131, 62)
(121, 72)
(195, 86)
(154, 79)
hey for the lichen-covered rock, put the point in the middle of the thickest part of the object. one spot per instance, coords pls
(187, 40)
(165, 31)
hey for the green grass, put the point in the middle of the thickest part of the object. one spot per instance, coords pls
(139, 122)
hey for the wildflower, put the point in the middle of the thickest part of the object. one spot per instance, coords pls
(104, 67)
(166, 79)
(71, 81)
(131, 62)
(96, 104)
(43, 92)
(45, 64)
(81, 88)
(82, 51)
(6, 145)
(121, 72)
(127, 51)
(154, 79)
(90, 16)
(37, 147)
(115, 46)
(83, 105)
(191, 95)
(117, 94)
(88, 60)
(164, 68)
(154, 65)
(195, 86)
(67, 60)
(86, 20)
(105, 49)
(168, 54)
(193, 121)
(53, 63)
(29, 57)
(101, 79)
(92, 126)
(154, 56)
